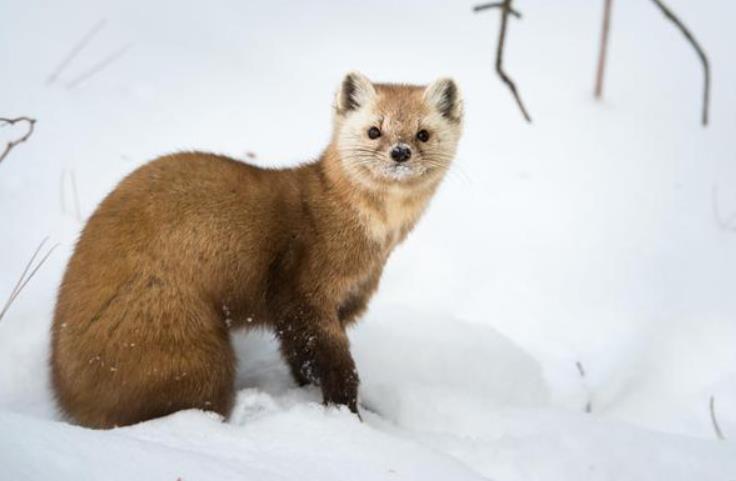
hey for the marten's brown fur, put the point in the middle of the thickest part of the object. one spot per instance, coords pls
(192, 244)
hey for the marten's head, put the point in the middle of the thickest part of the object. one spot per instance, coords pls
(396, 135)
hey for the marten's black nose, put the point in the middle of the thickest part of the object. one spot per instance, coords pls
(401, 153)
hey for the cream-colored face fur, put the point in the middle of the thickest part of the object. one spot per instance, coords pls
(425, 122)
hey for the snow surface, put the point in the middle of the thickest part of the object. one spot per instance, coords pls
(597, 236)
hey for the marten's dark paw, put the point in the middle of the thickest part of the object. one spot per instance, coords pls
(340, 387)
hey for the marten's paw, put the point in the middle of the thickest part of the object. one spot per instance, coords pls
(340, 386)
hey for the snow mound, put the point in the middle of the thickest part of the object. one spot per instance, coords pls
(305, 442)
(442, 399)
(420, 367)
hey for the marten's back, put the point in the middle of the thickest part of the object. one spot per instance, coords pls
(187, 215)
(165, 243)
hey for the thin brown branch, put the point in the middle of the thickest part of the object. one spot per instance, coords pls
(698, 49)
(27, 275)
(599, 74)
(11, 144)
(581, 370)
(714, 419)
(78, 47)
(506, 10)
(98, 67)
(589, 403)
(487, 6)
(16, 288)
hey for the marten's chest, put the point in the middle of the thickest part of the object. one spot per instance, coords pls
(386, 220)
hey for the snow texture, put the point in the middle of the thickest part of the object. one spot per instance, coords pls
(586, 262)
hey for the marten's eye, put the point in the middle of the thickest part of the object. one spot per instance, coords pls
(423, 135)
(374, 133)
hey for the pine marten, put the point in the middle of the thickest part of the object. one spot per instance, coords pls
(192, 244)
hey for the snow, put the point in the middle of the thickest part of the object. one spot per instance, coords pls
(598, 235)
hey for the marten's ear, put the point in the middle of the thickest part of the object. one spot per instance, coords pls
(356, 91)
(444, 96)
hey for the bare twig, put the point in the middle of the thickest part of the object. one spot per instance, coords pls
(603, 49)
(98, 67)
(506, 10)
(581, 371)
(499, 59)
(78, 47)
(714, 419)
(698, 49)
(11, 144)
(26, 276)
(486, 6)
(16, 288)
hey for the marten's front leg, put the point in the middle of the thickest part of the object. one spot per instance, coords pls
(318, 351)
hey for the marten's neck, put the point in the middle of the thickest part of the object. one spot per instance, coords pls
(386, 214)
